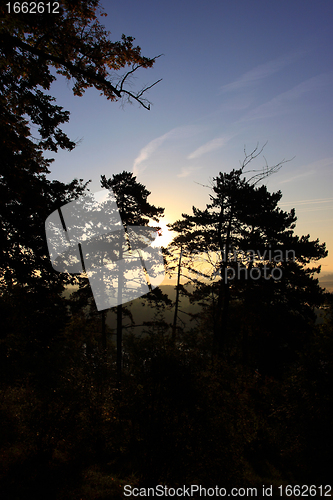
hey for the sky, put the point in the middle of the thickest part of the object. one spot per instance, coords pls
(234, 74)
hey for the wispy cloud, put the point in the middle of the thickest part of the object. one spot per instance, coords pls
(238, 102)
(311, 169)
(302, 210)
(324, 162)
(262, 71)
(216, 143)
(146, 152)
(186, 171)
(306, 202)
(281, 103)
(299, 176)
(311, 205)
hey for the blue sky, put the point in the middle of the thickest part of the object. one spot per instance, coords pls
(235, 73)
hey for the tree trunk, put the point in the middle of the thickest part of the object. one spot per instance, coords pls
(174, 328)
(119, 342)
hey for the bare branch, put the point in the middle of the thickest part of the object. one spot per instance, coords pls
(144, 102)
(265, 171)
(135, 67)
(202, 185)
(252, 156)
(137, 97)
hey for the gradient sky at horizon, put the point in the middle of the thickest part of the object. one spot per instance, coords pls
(235, 73)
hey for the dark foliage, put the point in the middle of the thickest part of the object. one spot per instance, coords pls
(258, 412)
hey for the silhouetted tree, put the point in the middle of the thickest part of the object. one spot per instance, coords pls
(77, 46)
(247, 244)
(60, 394)
(134, 210)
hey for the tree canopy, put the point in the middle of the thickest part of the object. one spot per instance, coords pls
(76, 45)
(34, 49)
(249, 250)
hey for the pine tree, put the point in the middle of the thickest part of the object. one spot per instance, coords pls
(134, 210)
(250, 250)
